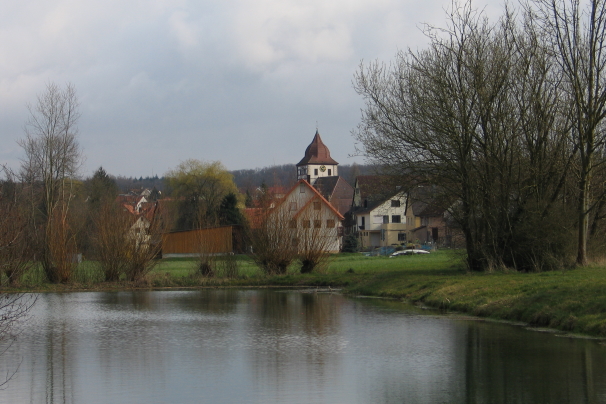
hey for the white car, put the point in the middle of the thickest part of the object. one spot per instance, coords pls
(408, 252)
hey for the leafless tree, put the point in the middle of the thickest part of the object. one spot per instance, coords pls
(15, 250)
(316, 236)
(476, 119)
(272, 237)
(111, 227)
(52, 159)
(127, 244)
(576, 35)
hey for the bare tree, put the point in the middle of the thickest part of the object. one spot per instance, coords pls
(111, 226)
(272, 237)
(52, 159)
(15, 251)
(577, 38)
(316, 237)
(127, 244)
(474, 119)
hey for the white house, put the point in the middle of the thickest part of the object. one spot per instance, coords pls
(379, 211)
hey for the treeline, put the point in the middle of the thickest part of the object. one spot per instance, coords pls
(125, 184)
(248, 179)
(503, 122)
(286, 175)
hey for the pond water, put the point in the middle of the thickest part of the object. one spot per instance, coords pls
(259, 346)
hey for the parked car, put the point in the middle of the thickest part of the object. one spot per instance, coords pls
(408, 252)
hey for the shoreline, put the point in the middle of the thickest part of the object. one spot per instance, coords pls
(571, 301)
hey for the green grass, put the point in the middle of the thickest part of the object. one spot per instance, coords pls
(572, 300)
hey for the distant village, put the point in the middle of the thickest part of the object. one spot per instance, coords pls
(373, 210)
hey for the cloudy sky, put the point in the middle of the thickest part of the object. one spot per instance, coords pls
(240, 81)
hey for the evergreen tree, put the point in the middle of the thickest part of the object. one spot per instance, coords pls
(229, 214)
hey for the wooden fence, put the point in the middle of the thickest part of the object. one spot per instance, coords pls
(217, 240)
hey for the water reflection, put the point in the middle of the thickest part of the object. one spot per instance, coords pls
(225, 346)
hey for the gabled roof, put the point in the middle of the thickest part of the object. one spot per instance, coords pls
(337, 191)
(316, 196)
(317, 153)
(427, 202)
(375, 187)
(326, 185)
(425, 209)
(375, 190)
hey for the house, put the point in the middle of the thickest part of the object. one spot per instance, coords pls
(302, 214)
(427, 222)
(133, 203)
(379, 212)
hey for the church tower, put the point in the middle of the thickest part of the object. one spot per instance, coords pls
(317, 162)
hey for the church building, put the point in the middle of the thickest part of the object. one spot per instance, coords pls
(321, 171)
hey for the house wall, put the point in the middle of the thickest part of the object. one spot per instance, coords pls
(300, 206)
(378, 231)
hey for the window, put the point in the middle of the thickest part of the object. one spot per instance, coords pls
(315, 171)
(385, 219)
(317, 224)
(377, 219)
(317, 206)
(330, 223)
(302, 188)
(395, 203)
(396, 219)
(329, 172)
(293, 224)
(306, 224)
(401, 236)
(293, 206)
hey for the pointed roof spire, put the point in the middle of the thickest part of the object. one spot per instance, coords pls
(317, 153)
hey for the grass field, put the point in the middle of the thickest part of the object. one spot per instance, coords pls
(573, 300)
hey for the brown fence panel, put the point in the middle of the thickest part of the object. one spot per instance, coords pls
(216, 240)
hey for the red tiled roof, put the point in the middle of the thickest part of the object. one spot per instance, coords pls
(317, 153)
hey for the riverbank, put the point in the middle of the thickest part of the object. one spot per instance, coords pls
(572, 301)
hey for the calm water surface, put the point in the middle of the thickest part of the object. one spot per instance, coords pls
(228, 346)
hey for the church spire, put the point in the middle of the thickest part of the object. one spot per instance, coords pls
(317, 153)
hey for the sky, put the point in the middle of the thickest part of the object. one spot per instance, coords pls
(244, 82)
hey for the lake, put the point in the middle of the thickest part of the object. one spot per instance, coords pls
(261, 346)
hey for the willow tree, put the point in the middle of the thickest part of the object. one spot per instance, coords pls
(198, 188)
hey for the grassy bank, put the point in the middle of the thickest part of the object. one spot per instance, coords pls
(572, 300)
